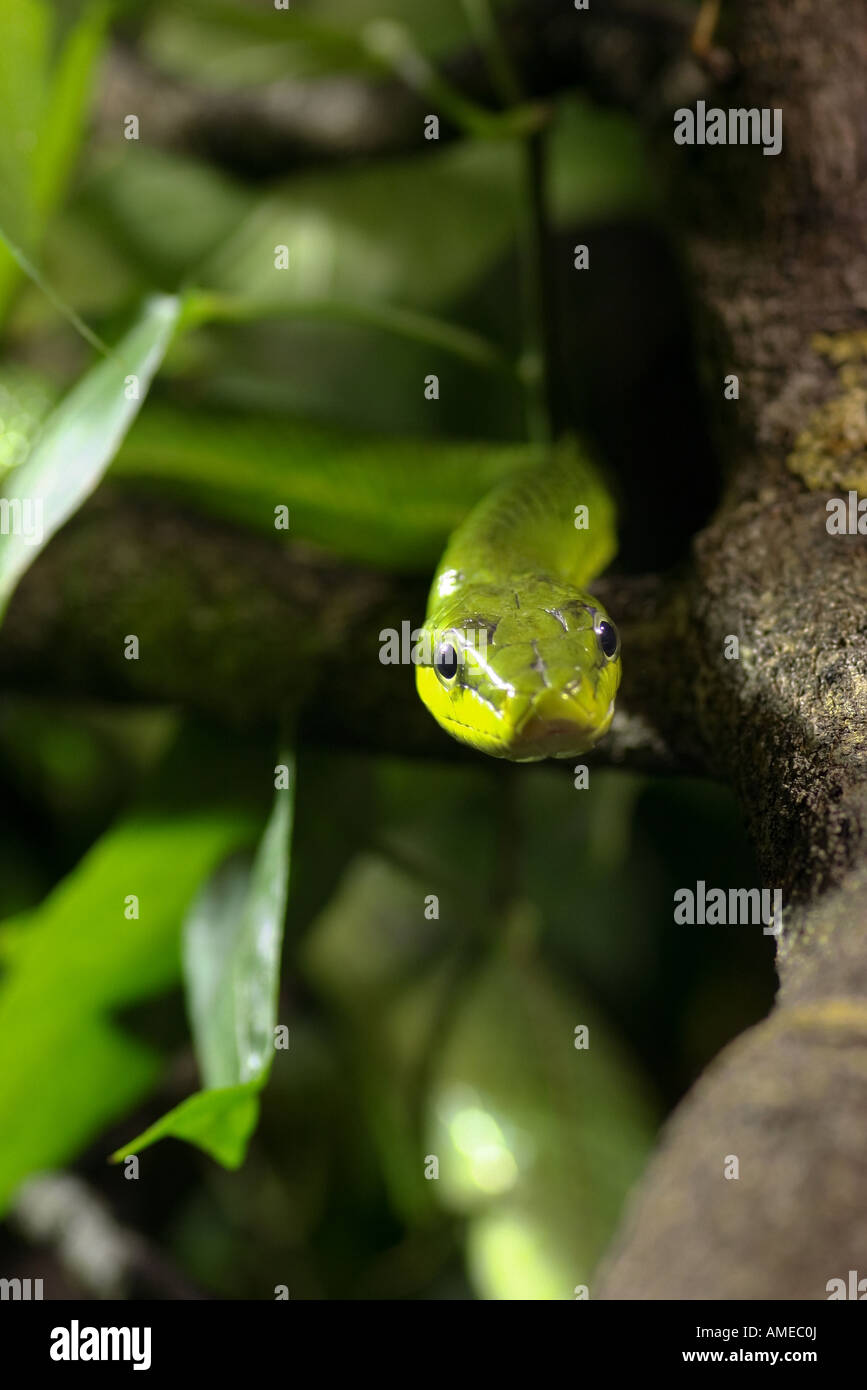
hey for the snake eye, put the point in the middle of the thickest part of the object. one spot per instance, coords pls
(609, 640)
(446, 662)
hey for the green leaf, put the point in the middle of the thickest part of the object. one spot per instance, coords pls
(232, 941)
(77, 957)
(224, 46)
(415, 233)
(24, 35)
(204, 307)
(167, 211)
(215, 42)
(65, 112)
(220, 1122)
(333, 481)
(67, 1076)
(26, 397)
(78, 442)
(42, 118)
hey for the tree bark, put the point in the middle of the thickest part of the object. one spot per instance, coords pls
(778, 250)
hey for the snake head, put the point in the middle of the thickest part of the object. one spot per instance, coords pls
(524, 673)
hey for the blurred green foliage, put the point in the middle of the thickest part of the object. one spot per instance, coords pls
(46, 79)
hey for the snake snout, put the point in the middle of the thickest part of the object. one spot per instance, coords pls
(558, 723)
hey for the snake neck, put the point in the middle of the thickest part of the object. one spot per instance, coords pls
(555, 521)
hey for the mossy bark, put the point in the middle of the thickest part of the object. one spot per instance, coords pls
(780, 260)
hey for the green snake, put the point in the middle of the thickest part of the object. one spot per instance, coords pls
(514, 571)
(517, 659)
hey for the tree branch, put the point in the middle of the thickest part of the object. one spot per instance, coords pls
(240, 629)
(778, 247)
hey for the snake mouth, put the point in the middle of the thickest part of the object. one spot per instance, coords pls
(557, 725)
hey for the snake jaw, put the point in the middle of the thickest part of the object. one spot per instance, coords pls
(558, 725)
(562, 719)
